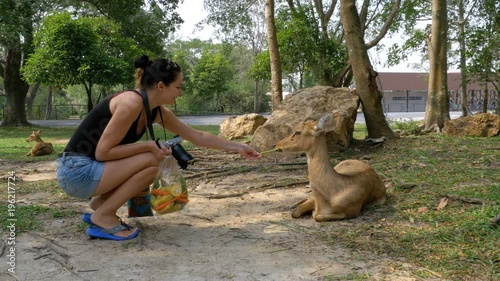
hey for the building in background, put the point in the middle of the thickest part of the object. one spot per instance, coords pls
(407, 92)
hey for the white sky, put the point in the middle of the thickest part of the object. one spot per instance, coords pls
(191, 11)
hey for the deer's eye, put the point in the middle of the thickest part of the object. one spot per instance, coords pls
(296, 133)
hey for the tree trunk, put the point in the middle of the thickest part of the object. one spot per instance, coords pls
(364, 75)
(15, 89)
(437, 110)
(88, 90)
(276, 75)
(485, 97)
(49, 104)
(256, 101)
(463, 66)
(33, 89)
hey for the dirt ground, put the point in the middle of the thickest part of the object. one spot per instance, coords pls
(237, 226)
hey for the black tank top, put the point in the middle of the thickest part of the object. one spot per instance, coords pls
(87, 135)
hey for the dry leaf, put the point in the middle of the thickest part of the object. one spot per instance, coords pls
(442, 203)
(422, 210)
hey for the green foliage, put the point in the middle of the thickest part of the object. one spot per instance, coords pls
(72, 51)
(411, 127)
(210, 79)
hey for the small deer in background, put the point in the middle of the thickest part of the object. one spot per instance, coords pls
(40, 148)
(340, 192)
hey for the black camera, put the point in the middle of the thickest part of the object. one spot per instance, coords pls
(180, 154)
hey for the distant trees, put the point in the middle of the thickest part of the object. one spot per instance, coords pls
(146, 25)
(88, 51)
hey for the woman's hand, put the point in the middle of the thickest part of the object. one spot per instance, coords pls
(160, 152)
(248, 152)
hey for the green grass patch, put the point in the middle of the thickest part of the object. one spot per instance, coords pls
(27, 217)
(458, 242)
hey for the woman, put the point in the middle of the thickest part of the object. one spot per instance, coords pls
(103, 160)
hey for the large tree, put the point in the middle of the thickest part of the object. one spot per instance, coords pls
(437, 108)
(364, 75)
(16, 36)
(87, 51)
(274, 56)
(19, 21)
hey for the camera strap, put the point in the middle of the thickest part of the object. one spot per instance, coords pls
(149, 121)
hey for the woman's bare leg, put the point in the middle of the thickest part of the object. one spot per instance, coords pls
(122, 179)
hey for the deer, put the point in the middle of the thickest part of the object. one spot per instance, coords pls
(40, 148)
(340, 192)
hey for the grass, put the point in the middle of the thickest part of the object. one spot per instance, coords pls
(458, 242)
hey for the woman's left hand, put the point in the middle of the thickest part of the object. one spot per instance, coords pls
(248, 152)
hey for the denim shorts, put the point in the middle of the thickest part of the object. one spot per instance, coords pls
(79, 175)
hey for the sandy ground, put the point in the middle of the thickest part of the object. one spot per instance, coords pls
(237, 226)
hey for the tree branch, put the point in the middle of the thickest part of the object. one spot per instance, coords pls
(387, 24)
(330, 11)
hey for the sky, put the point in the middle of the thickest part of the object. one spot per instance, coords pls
(191, 11)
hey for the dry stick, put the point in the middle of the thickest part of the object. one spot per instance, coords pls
(496, 220)
(41, 256)
(66, 266)
(199, 217)
(280, 184)
(222, 196)
(218, 173)
(261, 187)
(51, 245)
(463, 199)
(2, 248)
(244, 169)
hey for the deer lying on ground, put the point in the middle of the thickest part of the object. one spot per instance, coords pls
(338, 193)
(40, 148)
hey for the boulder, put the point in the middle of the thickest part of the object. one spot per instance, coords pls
(239, 126)
(310, 103)
(477, 125)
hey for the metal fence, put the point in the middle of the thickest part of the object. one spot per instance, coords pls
(404, 103)
(79, 111)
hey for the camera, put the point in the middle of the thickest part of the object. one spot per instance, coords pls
(180, 154)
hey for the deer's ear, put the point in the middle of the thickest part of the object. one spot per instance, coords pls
(39, 131)
(327, 122)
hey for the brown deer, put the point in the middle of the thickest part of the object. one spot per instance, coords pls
(338, 193)
(40, 148)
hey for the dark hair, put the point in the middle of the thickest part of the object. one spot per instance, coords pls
(148, 73)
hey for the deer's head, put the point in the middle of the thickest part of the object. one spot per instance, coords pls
(35, 136)
(304, 137)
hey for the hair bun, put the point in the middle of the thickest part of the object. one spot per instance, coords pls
(142, 62)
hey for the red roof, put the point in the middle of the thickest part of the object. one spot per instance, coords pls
(388, 81)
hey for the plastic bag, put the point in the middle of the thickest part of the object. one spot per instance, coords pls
(169, 191)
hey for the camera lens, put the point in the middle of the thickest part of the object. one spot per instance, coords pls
(181, 156)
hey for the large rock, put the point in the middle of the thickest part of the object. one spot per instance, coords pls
(477, 125)
(239, 126)
(310, 103)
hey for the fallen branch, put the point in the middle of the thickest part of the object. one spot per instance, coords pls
(244, 169)
(280, 184)
(463, 199)
(496, 220)
(223, 196)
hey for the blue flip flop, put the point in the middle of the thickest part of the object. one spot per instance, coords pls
(95, 231)
(86, 219)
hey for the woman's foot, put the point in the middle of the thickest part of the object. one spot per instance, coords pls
(109, 222)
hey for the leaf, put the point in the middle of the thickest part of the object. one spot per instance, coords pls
(442, 203)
